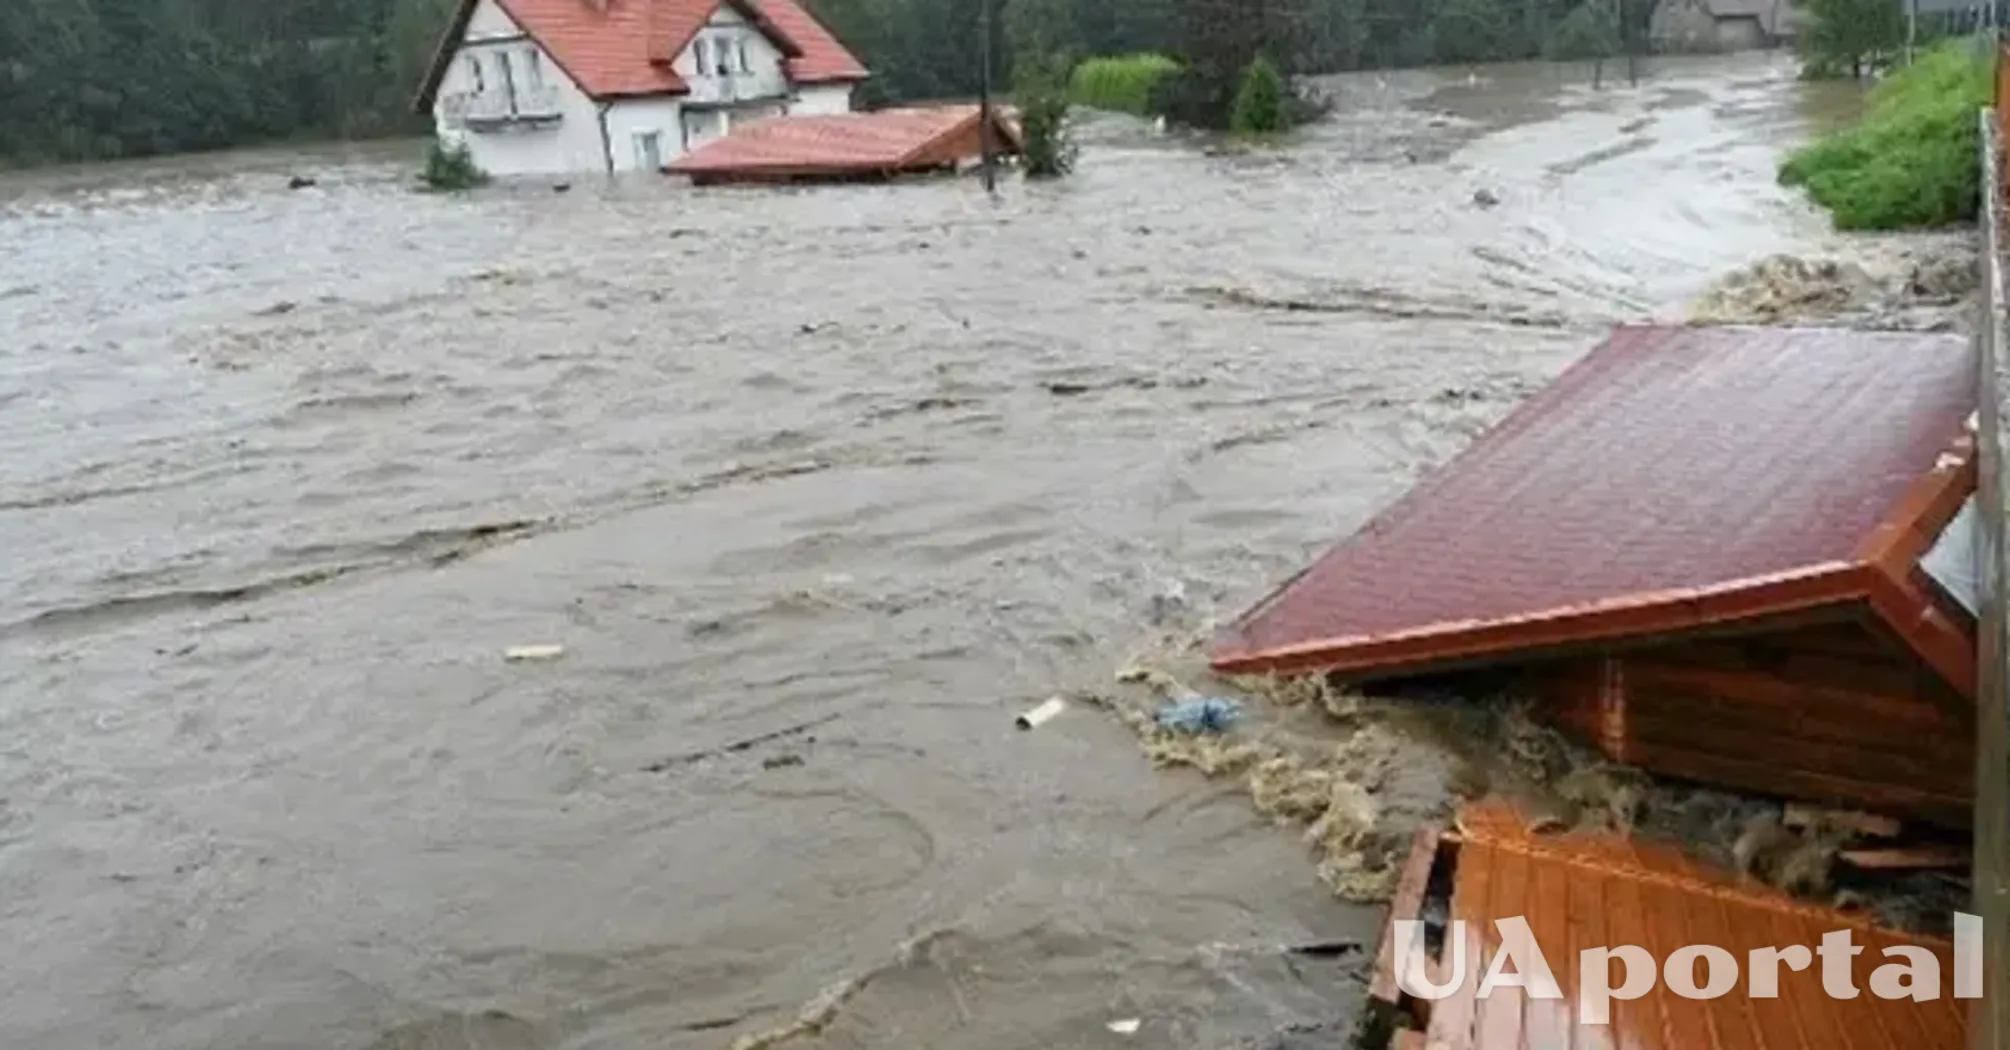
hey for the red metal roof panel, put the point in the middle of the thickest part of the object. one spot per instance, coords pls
(1698, 468)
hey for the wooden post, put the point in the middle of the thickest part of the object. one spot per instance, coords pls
(984, 107)
(1911, 27)
(1632, 48)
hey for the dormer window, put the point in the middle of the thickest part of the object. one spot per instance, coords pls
(701, 50)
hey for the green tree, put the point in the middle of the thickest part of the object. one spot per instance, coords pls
(1590, 31)
(1042, 36)
(1853, 35)
(1042, 90)
(1259, 103)
(1473, 31)
(1336, 36)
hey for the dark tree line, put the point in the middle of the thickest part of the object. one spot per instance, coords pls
(87, 79)
(84, 79)
(906, 40)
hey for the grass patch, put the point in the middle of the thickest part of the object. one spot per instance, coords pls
(1120, 82)
(1913, 160)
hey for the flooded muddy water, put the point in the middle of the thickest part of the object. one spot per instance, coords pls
(818, 488)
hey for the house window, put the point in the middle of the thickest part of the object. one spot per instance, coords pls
(475, 73)
(533, 69)
(740, 49)
(649, 151)
(702, 51)
(508, 76)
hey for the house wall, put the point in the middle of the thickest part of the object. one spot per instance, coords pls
(1836, 714)
(1682, 25)
(726, 30)
(822, 99)
(1740, 34)
(630, 118)
(1720, 25)
(572, 144)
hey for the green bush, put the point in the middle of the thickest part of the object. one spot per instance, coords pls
(1913, 160)
(451, 167)
(1120, 82)
(1043, 120)
(1259, 103)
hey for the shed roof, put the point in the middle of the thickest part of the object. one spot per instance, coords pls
(1673, 478)
(622, 48)
(888, 140)
(1582, 890)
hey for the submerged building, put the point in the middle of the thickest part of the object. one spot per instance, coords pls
(1722, 25)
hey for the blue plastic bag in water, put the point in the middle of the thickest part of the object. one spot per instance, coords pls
(1212, 715)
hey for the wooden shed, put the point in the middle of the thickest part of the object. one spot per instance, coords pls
(1715, 553)
(849, 146)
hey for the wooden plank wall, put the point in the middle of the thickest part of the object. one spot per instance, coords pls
(1835, 715)
(1839, 713)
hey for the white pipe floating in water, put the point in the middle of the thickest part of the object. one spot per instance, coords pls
(1052, 707)
(522, 653)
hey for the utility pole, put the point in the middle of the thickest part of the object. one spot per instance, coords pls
(1627, 43)
(984, 106)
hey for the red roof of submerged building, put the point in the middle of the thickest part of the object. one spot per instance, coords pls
(884, 142)
(623, 48)
(1673, 478)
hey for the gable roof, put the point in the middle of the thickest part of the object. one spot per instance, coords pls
(889, 140)
(1672, 479)
(623, 48)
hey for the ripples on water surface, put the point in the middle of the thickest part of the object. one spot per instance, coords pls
(282, 474)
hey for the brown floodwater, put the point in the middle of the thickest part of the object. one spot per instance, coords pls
(818, 488)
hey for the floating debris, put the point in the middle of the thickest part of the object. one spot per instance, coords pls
(527, 653)
(1210, 715)
(1045, 711)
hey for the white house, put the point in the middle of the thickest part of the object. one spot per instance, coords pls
(546, 87)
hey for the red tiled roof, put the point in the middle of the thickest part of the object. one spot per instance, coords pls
(1579, 891)
(823, 59)
(885, 141)
(624, 47)
(1673, 477)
